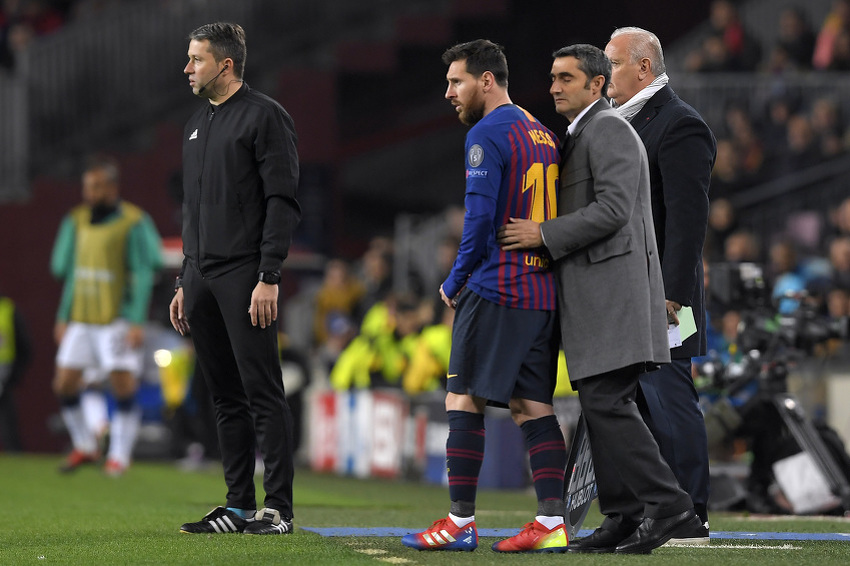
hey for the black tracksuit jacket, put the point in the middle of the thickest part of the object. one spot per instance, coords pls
(240, 180)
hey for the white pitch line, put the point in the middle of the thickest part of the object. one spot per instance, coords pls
(783, 518)
(750, 546)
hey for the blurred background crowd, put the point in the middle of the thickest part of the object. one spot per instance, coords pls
(382, 175)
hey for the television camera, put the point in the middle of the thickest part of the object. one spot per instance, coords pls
(798, 466)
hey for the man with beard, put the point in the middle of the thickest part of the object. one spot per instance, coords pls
(107, 251)
(504, 338)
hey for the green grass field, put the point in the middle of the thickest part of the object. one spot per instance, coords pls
(87, 518)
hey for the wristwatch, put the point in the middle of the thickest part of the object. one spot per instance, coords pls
(178, 283)
(270, 277)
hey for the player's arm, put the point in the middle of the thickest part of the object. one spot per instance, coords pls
(482, 188)
(62, 261)
(62, 256)
(144, 257)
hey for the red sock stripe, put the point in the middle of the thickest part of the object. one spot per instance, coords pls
(463, 480)
(548, 473)
(552, 445)
(461, 453)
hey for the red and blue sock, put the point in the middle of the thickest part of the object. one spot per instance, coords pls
(464, 454)
(548, 457)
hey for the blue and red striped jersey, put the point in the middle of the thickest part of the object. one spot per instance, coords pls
(512, 167)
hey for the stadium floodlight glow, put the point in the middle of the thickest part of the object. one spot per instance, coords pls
(162, 358)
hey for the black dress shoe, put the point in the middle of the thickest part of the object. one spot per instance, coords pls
(599, 541)
(652, 533)
(696, 537)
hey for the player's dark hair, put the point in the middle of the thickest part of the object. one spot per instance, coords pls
(226, 40)
(106, 163)
(480, 55)
(592, 61)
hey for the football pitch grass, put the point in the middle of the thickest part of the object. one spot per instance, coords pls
(87, 518)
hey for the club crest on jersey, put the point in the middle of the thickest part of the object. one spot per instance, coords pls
(476, 155)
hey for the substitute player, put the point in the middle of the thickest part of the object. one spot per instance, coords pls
(107, 251)
(504, 338)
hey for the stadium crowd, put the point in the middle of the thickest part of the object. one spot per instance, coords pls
(22, 21)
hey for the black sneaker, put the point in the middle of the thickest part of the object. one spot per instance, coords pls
(698, 537)
(219, 520)
(268, 522)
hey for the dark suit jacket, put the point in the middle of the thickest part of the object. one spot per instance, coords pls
(681, 151)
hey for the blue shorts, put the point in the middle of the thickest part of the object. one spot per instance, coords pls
(500, 353)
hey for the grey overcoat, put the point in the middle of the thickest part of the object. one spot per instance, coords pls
(610, 289)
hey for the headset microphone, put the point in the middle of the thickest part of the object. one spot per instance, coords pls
(212, 80)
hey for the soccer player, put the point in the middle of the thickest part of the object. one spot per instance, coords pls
(107, 251)
(504, 338)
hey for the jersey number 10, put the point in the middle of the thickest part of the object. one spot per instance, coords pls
(544, 186)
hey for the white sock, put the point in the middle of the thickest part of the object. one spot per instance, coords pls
(95, 411)
(461, 522)
(81, 435)
(125, 429)
(549, 522)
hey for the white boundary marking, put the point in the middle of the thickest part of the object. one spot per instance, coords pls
(740, 546)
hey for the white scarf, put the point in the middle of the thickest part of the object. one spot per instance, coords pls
(635, 103)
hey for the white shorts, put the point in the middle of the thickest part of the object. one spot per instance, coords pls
(101, 346)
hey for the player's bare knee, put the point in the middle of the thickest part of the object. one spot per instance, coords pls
(67, 382)
(124, 384)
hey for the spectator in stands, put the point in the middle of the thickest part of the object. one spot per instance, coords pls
(774, 130)
(727, 178)
(778, 61)
(429, 363)
(842, 221)
(796, 37)
(742, 245)
(841, 52)
(375, 274)
(722, 222)
(785, 276)
(728, 45)
(835, 23)
(740, 127)
(379, 355)
(711, 56)
(827, 126)
(21, 21)
(802, 151)
(338, 296)
(837, 224)
(838, 298)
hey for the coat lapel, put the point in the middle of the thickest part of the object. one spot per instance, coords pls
(570, 140)
(652, 107)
